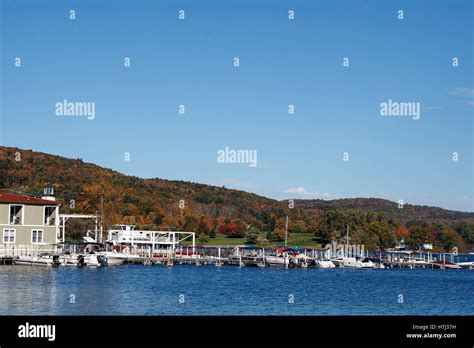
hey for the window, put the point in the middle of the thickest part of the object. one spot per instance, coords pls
(9, 235)
(49, 215)
(16, 214)
(36, 236)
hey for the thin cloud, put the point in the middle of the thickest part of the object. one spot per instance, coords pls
(462, 92)
(304, 193)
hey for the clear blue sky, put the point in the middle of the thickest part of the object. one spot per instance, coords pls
(282, 62)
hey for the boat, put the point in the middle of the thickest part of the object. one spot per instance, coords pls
(466, 265)
(277, 261)
(349, 262)
(69, 259)
(366, 263)
(114, 258)
(325, 264)
(352, 262)
(94, 260)
(41, 260)
(284, 257)
(302, 261)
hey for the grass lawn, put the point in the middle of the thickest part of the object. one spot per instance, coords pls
(295, 239)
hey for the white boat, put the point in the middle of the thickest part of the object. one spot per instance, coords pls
(72, 260)
(41, 260)
(277, 261)
(367, 263)
(325, 264)
(468, 264)
(352, 262)
(114, 258)
(349, 262)
(94, 260)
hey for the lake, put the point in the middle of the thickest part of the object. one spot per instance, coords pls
(208, 290)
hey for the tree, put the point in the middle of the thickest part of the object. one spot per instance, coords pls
(228, 228)
(252, 236)
(466, 231)
(168, 222)
(447, 238)
(402, 232)
(419, 234)
(191, 223)
(279, 234)
(204, 225)
(106, 201)
(298, 227)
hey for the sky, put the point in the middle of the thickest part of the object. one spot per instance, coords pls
(137, 128)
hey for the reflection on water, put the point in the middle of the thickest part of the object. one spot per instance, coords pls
(207, 290)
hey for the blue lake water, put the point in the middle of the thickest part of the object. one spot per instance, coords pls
(208, 290)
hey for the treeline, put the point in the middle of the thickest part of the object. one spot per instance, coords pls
(379, 231)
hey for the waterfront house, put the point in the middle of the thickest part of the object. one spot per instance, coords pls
(27, 221)
(401, 245)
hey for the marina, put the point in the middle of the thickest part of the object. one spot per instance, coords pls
(35, 234)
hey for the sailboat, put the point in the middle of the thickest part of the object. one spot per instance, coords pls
(349, 261)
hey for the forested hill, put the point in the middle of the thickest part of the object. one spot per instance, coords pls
(404, 211)
(158, 203)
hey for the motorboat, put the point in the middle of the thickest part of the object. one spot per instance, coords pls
(325, 264)
(114, 258)
(95, 260)
(277, 261)
(366, 263)
(69, 259)
(466, 265)
(352, 262)
(302, 261)
(41, 260)
(348, 262)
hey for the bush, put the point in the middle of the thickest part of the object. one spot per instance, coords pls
(252, 237)
(203, 238)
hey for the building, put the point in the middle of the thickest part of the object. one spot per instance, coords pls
(153, 242)
(401, 245)
(27, 221)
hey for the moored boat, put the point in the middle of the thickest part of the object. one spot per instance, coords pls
(466, 265)
(41, 260)
(325, 264)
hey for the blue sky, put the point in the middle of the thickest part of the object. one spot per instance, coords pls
(282, 62)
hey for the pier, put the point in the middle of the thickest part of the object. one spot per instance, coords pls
(253, 256)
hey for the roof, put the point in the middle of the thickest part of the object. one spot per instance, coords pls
(6, 197)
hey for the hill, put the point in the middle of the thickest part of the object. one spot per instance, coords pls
(212, 211)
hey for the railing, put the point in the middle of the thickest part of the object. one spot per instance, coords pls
(24, 251)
